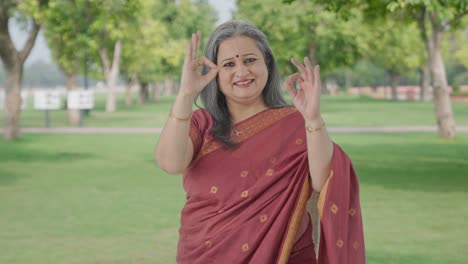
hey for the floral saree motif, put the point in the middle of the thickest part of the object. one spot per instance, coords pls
(245, 204)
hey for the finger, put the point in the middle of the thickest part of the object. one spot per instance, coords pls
(289, 83)
(213, 68)
(210, 75)
(194, 46)
(208, 63)
(300, 67)
(309, 68)
(198, 43)
(292, 91)
(188, 52)
(317, 77)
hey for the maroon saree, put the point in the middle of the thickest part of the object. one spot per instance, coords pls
(245, 204)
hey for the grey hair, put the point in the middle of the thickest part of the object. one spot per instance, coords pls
(214, 100)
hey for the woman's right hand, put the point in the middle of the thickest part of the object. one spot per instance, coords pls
(193, 81)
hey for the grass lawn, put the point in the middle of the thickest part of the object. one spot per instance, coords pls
(101, 199)
(343, 110)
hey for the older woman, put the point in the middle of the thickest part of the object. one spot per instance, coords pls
(250, 162)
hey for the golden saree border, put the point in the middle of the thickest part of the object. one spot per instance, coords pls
(323, 195)
(249, 127)
(295, 222)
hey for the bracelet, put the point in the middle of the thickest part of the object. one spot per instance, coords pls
(316, 129)
(178, 118)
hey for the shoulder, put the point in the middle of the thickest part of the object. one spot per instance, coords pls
(202, 118)
(289, 112)
(201, 113)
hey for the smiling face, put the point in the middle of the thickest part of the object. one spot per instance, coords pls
(243, 72)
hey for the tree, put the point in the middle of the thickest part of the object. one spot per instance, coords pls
(182, 19)
(65, 36)
(148, 47)
(32, 12)
(109, 21)
(434, 18)
(395, 47)
(303, 28)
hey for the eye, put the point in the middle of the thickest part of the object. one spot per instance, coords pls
(229, 64)
(250, 60)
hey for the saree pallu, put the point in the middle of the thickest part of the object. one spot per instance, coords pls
(245, 204)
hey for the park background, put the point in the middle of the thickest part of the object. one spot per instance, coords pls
(92, 193)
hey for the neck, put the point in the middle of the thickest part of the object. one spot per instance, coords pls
(241, 112)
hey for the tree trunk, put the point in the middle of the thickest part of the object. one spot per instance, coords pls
(155, 94)
(443, 105)
(13, 61)
(348, 79)
(128, 91)
(111, 72)
(70, 84)
(425, 82)
(128, 95)
(394, 81)
(143, 93)
(12, 110)
(168, 83)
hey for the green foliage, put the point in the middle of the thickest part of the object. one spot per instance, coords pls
(154, 48)
(396, 46)
(305, 29)
(66, 36)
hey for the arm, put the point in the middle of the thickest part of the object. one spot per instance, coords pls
(319, 152)
(307, 102)
(174, 149)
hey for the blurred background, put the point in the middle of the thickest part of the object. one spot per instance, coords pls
(86, 85)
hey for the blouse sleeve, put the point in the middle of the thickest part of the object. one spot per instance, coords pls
(200, 125)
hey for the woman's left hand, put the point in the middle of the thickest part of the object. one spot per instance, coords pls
(307, 98)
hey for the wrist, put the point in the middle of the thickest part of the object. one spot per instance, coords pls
(186, 98)
(314, 121)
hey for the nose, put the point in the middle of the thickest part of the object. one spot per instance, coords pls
(241, 70)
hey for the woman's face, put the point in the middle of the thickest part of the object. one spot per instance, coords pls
(243, 73)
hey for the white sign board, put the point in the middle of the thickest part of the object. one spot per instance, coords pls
(47, 100)
(24, 99)
(81, 99)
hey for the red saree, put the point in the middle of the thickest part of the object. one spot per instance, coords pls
(245, 205)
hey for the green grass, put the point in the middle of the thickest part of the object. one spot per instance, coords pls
(101, 199)
(343, 110)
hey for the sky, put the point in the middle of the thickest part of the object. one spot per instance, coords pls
(42, 52)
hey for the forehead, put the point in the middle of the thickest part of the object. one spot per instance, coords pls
(238, 45)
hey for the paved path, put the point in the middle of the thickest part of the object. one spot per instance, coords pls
(141, 130)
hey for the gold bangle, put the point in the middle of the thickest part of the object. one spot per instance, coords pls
(316, 129)
(178, 118)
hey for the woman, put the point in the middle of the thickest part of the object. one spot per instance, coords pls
(250, 162)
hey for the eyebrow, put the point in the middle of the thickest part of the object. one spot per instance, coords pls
(241, 56)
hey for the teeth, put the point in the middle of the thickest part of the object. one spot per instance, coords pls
(246, 82)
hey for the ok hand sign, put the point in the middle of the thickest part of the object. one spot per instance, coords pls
(307, 98)
(193, 82)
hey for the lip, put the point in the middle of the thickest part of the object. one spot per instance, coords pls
(244, 83)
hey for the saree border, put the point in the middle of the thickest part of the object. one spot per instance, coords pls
(323, 195)
(293, 226)
(249, 127)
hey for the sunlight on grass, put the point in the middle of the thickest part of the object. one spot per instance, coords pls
(102, 199)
